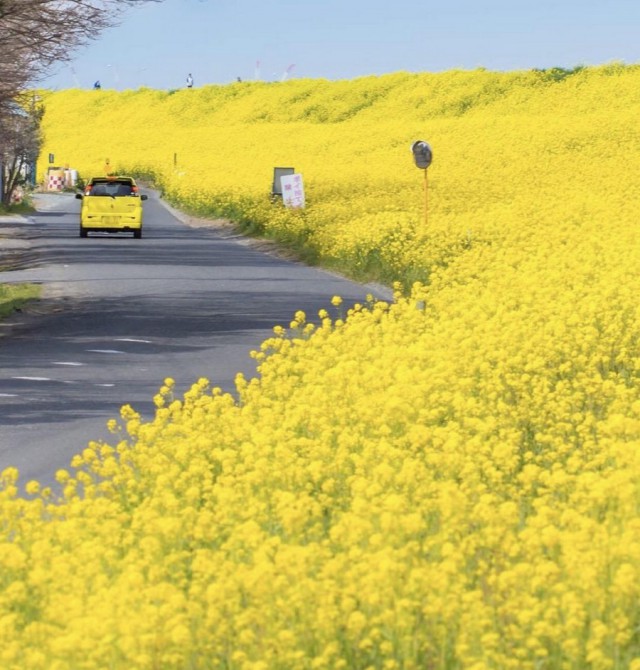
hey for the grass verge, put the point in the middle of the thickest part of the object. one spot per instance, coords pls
(24, 207)
(14, 296)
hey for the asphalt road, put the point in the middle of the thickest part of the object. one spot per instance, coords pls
(120, 315)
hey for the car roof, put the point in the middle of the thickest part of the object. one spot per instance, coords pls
(111, 180)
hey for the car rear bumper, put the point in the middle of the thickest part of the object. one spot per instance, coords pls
(110, 224)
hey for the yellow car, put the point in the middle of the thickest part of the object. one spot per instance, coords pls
(111, 205)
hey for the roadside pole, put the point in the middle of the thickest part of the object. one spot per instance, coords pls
(422, 156)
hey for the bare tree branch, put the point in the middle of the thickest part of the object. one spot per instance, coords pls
(20, 141)
(34, 35)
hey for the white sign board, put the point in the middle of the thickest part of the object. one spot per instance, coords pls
(292, 190)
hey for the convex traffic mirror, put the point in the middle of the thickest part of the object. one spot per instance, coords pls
(422, 154)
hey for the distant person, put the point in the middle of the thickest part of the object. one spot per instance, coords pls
(239, 79)
(97, 86)
(189, 81)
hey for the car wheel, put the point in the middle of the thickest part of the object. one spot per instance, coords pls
(83, 232)
(137, 233)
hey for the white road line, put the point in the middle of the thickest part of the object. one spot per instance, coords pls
(108, 385)
(67, 363)
(132, 339)
(105, 351)
(8, 395)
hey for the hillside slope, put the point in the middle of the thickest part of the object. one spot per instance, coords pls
(535, 147)
(449, 481)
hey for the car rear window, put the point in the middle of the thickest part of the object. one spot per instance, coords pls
(113, 187)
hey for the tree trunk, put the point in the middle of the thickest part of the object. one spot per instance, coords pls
(11, 178)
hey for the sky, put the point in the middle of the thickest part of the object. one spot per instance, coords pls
(218, 41)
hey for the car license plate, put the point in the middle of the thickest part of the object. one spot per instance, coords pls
(110, 219)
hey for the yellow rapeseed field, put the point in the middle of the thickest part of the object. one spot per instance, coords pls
(448, 480)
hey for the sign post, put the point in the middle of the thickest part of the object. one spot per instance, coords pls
(422, 156)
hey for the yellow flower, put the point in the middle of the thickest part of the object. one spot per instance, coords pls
(32, 487)
(449, 473)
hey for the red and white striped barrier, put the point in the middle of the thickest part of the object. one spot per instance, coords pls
(55, 181)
